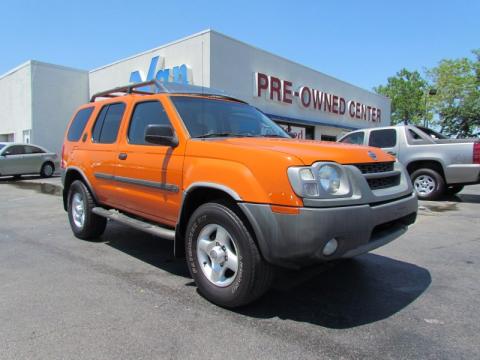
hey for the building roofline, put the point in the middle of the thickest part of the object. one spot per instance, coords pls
(15, 69)
(296, 63)
(40, 63)
(203, 32)
(56, 66)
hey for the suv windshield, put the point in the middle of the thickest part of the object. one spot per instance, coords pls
(219, 118)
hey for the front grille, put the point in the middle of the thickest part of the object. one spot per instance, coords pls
(385, 182)
(381, 181)
(375, 167)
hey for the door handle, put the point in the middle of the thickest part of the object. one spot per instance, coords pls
(392, 153)
(122, 156)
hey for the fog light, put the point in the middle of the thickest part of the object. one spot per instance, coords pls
(330, 247)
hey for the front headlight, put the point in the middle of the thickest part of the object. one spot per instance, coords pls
(321, 180)
(329, 178)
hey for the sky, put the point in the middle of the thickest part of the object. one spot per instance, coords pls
(361, 42)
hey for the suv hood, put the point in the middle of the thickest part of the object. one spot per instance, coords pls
(310, 151)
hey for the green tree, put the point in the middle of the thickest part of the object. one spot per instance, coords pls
(457, 102)
(407, 90)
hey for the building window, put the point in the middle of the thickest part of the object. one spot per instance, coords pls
(328, 138)
(298, 131)
(26, 136)
(7, 137)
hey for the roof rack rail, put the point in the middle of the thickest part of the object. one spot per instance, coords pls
(160, 87)
(128, 89)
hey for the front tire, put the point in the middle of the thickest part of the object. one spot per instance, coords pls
(84, 223)
(223, 259)
(428, 184)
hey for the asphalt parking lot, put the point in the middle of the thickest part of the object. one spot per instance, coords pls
(127, 297)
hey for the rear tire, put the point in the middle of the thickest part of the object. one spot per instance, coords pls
(47, 170)
(454, 189)
(84, 223)
(428, 184)
(223, 259)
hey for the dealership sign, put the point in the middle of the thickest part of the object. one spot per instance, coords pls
(178, 74)
(282, 91)
(297, 132)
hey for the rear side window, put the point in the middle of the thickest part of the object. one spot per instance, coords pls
(78, 124)
(106, 127)
(33, 150)
(144, 114)
(354, 138)
(383, 138)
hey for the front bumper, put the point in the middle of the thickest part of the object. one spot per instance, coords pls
(298, 240)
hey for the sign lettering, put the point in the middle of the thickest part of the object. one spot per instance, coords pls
(281, 91)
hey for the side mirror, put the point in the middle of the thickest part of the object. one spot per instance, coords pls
(161, 135)
(6, 153)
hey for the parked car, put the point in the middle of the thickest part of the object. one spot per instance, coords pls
(233, 191)
(18, 159)
(436, 164)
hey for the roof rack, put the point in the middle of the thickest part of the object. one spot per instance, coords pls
(160, 87)
(127, 89)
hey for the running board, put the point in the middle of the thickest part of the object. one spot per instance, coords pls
(115, 215)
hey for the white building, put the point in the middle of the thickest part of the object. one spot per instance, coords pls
(38, 99)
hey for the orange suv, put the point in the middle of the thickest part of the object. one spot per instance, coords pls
(234, 192)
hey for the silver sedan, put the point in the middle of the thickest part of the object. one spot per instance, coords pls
(22, 159)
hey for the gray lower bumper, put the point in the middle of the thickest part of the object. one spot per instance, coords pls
(297, 240)
(463, 174)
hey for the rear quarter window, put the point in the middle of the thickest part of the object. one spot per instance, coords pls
(78, 124)
(33, 150)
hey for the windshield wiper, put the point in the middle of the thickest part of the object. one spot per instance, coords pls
(222, 134)
(216, 134)
(275, 136)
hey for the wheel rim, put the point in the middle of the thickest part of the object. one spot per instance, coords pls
(424, 185)
(217, 255)
(48, 170)
(78, 210)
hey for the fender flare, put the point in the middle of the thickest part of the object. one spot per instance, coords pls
(65, 175)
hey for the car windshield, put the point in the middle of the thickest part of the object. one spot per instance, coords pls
(205, 118)
(2, 146)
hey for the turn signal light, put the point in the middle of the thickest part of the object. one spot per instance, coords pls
(289, 210)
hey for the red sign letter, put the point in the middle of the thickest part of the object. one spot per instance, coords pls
(261, 83)
(287, 91)
(275, 88)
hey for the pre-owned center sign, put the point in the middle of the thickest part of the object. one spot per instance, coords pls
(282, 91)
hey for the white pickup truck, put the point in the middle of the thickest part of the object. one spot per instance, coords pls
(436, 164)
